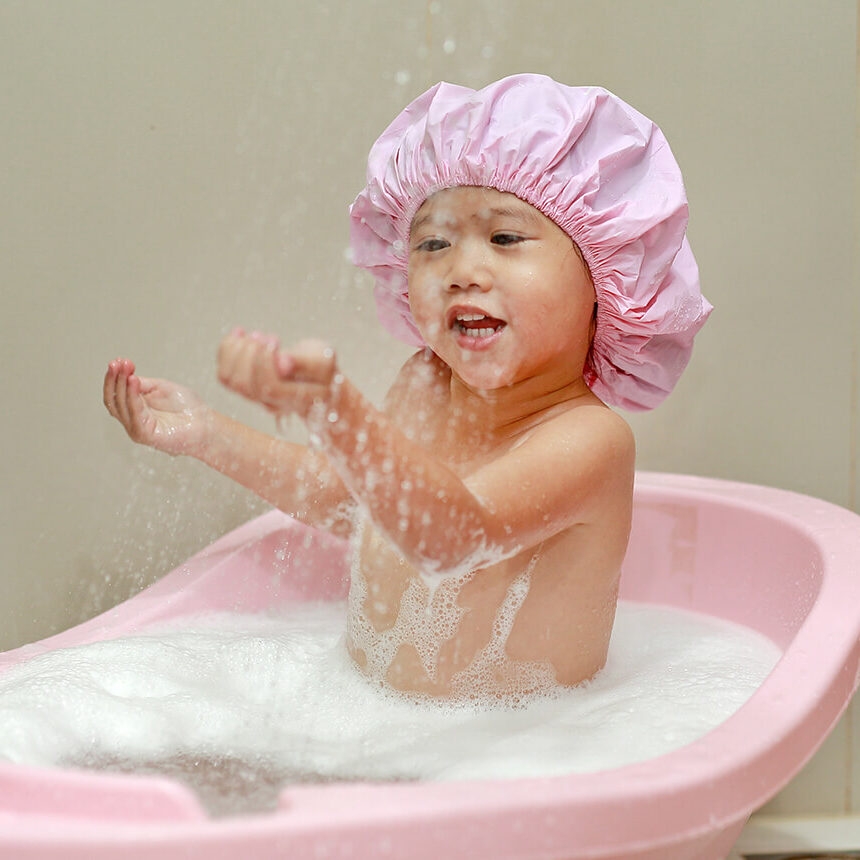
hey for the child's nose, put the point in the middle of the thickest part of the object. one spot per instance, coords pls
(470, 269)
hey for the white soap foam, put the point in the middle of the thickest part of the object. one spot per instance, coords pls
(235, 704)
(428, 616)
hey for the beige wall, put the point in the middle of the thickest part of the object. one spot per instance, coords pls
(176, 167)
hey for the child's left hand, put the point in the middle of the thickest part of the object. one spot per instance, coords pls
(284, 381)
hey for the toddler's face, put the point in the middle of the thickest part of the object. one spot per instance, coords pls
(497, 289)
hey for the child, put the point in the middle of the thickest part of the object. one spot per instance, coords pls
(530, 239)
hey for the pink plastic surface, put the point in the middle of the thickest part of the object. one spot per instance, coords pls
(591, 163)
(781, 563)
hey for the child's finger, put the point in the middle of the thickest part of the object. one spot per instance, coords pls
(146, 384)
(235, 357)
(226, 355)
(310, 361)
(109, 389)
(121, 392)
(231, 347)
(266, 378)
(285, 364)
(251, 371)
(136, 408)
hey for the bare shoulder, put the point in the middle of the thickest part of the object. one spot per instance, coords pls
(424, 378)
(574, 468)
(588, 454)
(599, 423)
(600, 439)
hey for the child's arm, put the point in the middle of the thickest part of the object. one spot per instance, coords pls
(550, 482)
(554, 480)
(171, 418)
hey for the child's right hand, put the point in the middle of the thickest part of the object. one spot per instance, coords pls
(283, 381)
(157, 412)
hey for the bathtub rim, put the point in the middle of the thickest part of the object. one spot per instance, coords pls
(741, 773)
(740, 776)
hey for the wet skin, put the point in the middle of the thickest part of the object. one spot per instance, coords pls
(476, 402)
(567, 617)
(491, 453)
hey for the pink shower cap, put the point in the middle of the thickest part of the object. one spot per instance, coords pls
(599, 169)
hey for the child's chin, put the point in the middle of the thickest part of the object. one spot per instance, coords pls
(485, 379)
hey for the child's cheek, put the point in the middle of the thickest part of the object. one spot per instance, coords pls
(427, 309)
(428, 323)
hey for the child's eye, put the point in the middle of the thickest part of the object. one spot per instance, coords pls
(506, 238)
(432, 245)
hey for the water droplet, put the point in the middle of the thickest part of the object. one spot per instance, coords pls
(402, 77)
(449, 46)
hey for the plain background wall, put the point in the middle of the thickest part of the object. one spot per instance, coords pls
(173, 168)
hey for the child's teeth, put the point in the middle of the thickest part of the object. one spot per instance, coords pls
(463, 324)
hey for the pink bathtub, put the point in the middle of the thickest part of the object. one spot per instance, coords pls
(784, 564)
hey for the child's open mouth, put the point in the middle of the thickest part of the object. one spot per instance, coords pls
(475, 329)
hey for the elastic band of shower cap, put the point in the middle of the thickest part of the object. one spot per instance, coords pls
(595, 166)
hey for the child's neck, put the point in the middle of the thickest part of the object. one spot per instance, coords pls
(513, 409)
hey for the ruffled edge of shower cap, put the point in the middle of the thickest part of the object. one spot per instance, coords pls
(598, 168)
